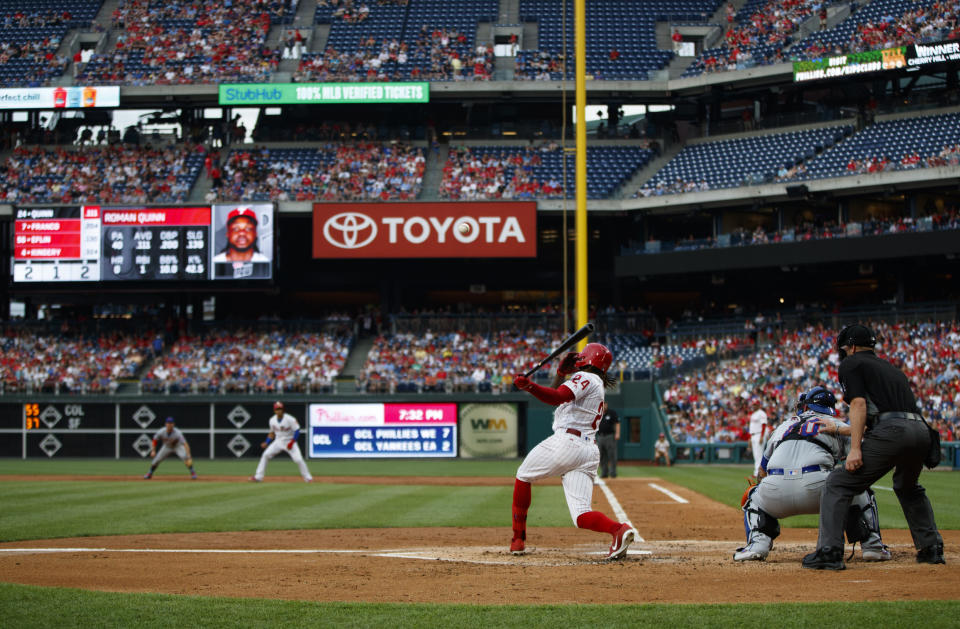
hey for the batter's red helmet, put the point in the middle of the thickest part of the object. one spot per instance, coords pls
(595, 354)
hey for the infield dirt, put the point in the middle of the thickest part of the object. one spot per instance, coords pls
(685, 557)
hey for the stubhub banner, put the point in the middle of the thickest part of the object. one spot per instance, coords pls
(322, 93)
(382, 430)
(425, 230)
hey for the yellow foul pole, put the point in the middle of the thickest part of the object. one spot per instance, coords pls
(580, 52)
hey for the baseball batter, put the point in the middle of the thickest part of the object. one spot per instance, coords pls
(171, 441)
(571, 452)
(283, 437)
(798, 458)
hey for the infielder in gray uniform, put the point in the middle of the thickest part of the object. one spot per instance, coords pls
(173, 442)
(798, 458)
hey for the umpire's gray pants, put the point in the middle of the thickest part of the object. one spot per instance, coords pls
(900, 443)
(608, 455)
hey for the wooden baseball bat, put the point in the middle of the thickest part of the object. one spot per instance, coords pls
(569, 342)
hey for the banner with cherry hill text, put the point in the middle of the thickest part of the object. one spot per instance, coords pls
(425, 230)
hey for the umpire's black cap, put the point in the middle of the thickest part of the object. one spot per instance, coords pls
(855, 334)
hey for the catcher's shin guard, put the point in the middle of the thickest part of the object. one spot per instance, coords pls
(862, 524)
(761, 529)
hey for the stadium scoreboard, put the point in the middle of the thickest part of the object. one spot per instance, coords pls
(91, 243)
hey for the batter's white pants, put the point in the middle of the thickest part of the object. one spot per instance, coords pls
(574, 459)
(275, 448)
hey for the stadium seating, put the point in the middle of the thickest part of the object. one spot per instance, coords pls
(176, 42)
(629, 28)
(422, 39)
(762, 28)
(39, 361)
(360, 171)
(119, 174)
(32, 32)
(713, 404)
(739, 161)
(451, 361)
(249, 361)
(906, 143)
(494, 172)
(882, 24)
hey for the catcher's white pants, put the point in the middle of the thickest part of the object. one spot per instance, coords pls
(572, 458)
(275, 448)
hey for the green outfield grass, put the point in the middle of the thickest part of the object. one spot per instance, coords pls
(26, 606)
(42, 509)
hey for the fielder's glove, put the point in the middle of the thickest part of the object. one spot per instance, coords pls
(568, 365)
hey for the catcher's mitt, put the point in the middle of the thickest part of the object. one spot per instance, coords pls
(751, 483)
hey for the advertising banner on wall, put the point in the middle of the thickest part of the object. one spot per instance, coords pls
(488, 430)
(425, 230)
(74, 97)
(911, 57)
(322, 93)
(382, 430)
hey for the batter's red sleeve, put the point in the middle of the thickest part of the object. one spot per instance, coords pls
(554, 397)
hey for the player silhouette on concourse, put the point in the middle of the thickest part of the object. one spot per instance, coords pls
(571, 452)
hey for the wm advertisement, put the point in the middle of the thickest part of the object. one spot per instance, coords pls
(488, 430)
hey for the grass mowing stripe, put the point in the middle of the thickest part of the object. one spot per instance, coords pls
(278, 467)
(25, 607)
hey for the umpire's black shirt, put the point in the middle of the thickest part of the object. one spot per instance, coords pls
(608, 423)
(884, 387)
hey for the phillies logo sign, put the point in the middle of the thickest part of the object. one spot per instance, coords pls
(424, 230)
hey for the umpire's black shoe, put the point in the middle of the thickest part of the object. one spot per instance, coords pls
(826, 558)
(931, 554)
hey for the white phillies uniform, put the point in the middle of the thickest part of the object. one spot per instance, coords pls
(572, 457)
(758, 426)
(283, 430)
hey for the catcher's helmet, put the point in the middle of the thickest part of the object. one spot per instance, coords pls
(595, 354)
(855, 334)
(817, 399)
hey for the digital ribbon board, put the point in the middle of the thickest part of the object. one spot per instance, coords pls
(382, 430)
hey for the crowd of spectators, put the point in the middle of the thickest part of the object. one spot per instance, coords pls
(805, 230)
(475, 174)
(437, 54)
(363, 171)
(42, 362)
(679, 185)
(180, 42)
(949, 155)
(714, 404)
(920, 23)
(538, 65)
(452, 361)
(35, 58)
(98, 174)
(249, 361)
(760, 38)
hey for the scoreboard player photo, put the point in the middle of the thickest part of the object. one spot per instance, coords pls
(242, 241)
